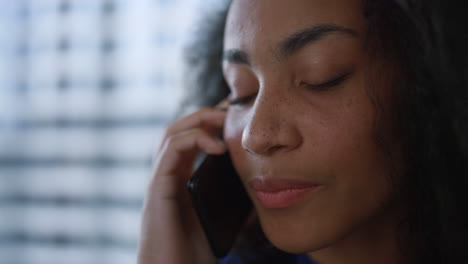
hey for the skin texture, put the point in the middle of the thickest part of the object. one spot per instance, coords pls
(285, 129)
(288, 125)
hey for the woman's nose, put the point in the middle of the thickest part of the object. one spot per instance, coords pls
(271, 127)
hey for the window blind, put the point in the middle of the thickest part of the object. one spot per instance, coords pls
(86, 88)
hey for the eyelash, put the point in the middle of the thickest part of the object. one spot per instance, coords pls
(317, 87)
(328, 84)
(242, 100)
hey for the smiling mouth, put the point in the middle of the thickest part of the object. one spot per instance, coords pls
(281, 193)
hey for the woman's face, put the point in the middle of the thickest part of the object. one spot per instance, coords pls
(300, 128)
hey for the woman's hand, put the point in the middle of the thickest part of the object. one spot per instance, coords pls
(171, 232)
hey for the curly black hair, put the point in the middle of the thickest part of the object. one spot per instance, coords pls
(203, 56)
(428, 40)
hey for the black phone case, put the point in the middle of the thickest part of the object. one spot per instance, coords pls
(220, 202)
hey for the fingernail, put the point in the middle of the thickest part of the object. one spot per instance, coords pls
(223, 105)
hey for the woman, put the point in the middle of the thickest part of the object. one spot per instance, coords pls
(347, 126)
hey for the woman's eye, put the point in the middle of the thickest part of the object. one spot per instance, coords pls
(242, 100)
(328, 84)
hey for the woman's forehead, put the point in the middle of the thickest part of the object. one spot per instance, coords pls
(253, 22)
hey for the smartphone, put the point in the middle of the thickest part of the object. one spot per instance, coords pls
(220, 201)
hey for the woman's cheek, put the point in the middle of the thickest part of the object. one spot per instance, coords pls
(233, 129)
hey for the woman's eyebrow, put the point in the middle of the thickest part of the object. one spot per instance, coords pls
(292, 43)
(307, 36)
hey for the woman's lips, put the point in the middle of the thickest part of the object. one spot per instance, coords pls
(281, 193)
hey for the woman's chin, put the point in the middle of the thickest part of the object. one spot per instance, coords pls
(295, 245)
(295, 239)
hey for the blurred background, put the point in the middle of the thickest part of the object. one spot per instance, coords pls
(86, 88)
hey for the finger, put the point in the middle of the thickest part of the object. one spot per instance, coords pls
(179, 151)
(196, 139)
(210, 119)
(223, 105)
